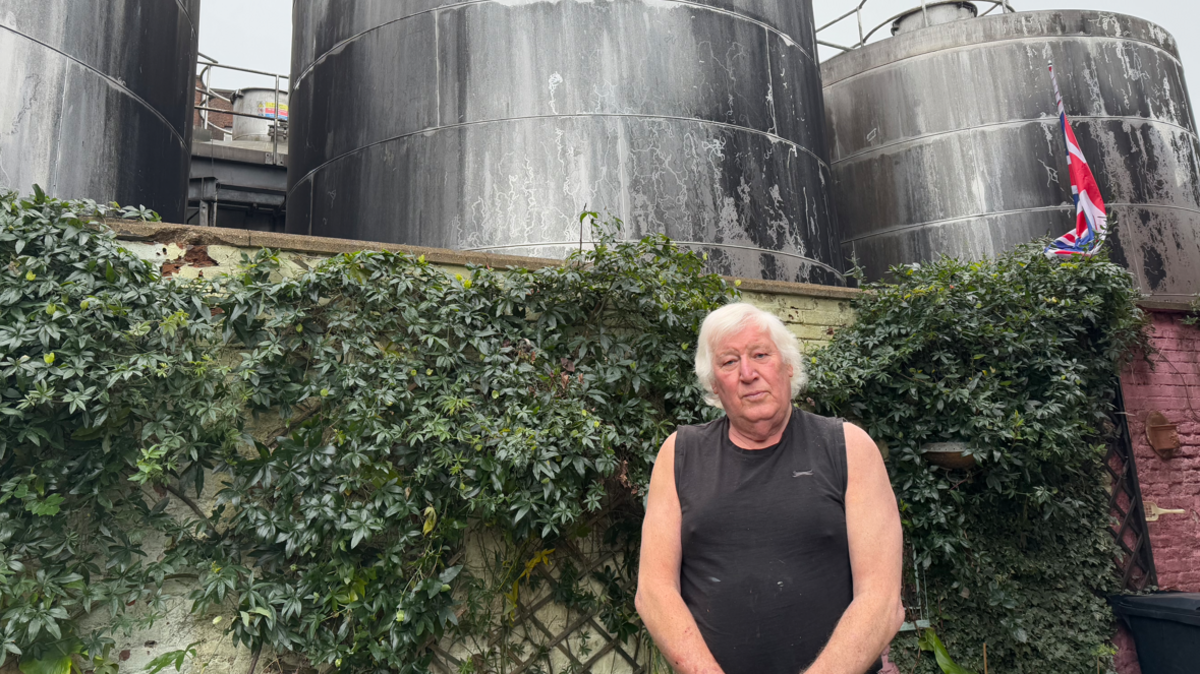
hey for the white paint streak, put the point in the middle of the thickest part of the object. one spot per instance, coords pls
(555, 80)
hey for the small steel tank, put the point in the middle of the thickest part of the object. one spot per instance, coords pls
(932, 14)
(96, 99)
(946, 140)
(259, 101)
(491, 125)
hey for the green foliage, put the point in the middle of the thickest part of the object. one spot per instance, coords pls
(433, 405)
(929, 641)
(1193, 317)
(1017, 357)
(95, 392)
(55, 664)
(362, 420)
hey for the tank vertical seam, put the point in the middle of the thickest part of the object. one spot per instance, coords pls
(112, 81)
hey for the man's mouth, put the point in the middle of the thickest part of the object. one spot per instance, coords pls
(755, 396)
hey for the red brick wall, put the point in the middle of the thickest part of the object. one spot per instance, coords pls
(220, 119)
(1173, 388)
(1126, 660)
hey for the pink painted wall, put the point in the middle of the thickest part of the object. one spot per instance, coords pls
(1173, 388)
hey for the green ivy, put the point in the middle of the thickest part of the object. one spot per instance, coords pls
(107, 384)
(433, 405)
(1017, 357)
(404, 408)
(1193, 316)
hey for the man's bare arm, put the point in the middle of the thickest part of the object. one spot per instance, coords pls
(876, 549)
(658, 600)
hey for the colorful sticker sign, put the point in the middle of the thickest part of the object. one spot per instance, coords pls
(267, 109)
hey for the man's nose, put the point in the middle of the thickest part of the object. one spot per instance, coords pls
(747, 370)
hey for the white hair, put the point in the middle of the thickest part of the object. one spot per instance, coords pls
(732, 319)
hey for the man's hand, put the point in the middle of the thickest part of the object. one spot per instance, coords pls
(658, 600)
(876, 549)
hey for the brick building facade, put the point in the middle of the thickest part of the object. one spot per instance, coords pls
(1172, 387)
(223, 120)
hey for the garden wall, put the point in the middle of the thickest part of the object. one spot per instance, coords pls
(813, 313)
(1171, 387)
(572, 641)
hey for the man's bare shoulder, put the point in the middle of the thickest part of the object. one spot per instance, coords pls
(667, 450)
(856, 436)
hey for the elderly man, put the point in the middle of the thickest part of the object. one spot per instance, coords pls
(772, 542)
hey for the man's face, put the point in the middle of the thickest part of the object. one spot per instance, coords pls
(752, 380)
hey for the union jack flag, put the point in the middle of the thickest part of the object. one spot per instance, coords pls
(1091, 222)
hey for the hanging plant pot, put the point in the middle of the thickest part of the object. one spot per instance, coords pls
(1163, 435)
(948, 455)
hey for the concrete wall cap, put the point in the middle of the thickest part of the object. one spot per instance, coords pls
(192, 235)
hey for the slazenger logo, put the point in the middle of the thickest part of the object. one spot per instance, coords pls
(801, 473)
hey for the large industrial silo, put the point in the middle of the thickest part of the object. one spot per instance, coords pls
(945, 139)
(96, 99)
(491, 125)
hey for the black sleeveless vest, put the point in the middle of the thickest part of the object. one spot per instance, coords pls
(766, 564)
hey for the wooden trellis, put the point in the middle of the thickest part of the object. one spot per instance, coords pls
(1135, 560)
(543, 636)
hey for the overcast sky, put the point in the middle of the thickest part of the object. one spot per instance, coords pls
(257, 33)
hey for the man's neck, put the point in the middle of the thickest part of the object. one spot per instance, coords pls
(759, 434)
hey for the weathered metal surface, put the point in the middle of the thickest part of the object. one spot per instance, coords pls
(96, 99)
(491, 125)
(946, 140)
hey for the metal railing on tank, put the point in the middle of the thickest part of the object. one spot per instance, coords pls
(866, 32)
(276, 115)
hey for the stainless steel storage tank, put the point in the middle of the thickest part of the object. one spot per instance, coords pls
(96, 99)
(490, 125)
(946, 140)
(260, 101)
